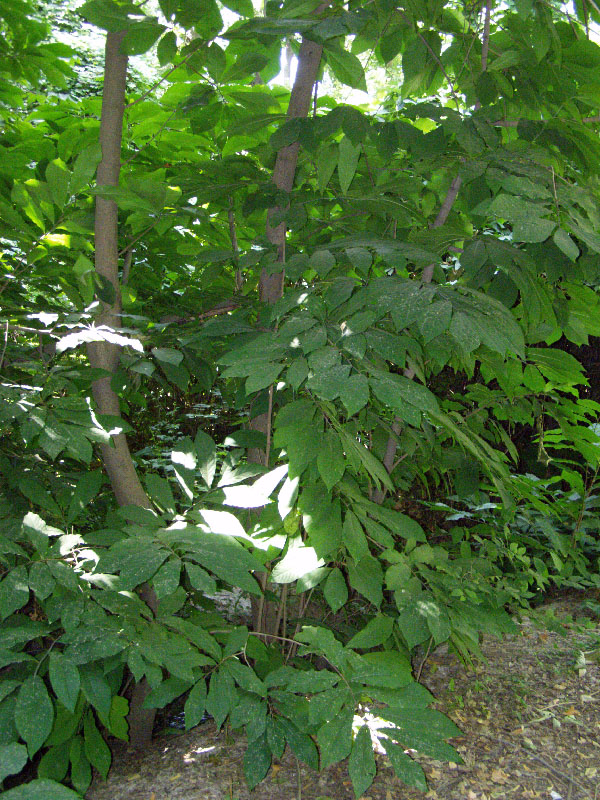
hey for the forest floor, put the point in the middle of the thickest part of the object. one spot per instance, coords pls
(530, 716)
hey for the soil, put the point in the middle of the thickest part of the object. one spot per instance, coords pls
(530, 716)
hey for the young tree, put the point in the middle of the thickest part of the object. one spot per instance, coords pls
(381, 296)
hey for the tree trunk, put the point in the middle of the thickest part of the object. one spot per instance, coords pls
(264, 613)
(104, 355)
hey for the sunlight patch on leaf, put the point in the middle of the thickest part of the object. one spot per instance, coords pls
(97, 334)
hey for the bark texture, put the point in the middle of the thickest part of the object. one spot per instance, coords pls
(284, 172)
(103, 355)
(265, 615)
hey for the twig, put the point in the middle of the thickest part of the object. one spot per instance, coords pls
(127, 259)
(281, 609)
(151, 139)
(5, 344)
(485, 42)
(425, 657)
(136, 239)
(269, 416)
(555, 196)
(514, 123)
(437, 59)
(570, 781)
(370, 174)
(163, 78)
(239, 280)
(299, 779)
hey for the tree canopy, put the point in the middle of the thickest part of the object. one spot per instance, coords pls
(323, 340)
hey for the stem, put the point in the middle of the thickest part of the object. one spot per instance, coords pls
(239, 280)
(104, 355)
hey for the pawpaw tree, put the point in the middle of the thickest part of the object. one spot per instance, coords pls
(372, 276)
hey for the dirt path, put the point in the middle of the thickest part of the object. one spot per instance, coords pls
(531, 717)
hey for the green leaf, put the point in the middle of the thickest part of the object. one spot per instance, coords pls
(566, 244)
(200, 579)
(96, 749)
(165, 692)
(286, 499)
(424, 730)
(299, 560)
(326, 164)
(160, 493)
(388, 669)
(301, 745)
(166, 580)
(167, 355)
(335, 738)
(106, 14)
(65, 680)
(326, 383)
(353, 537)
(195, 705)
(242, 7)
(136, 564)
(13, 758)
(34, 713)
(323, 261)
(14, 591)
(184, 466)
(167, 48)
(88, 486)
(366, 576)
(54, 764)
(297, 372)
(335, 590)
(41, 789)
(532, 229)
(437, 620)
(330, 461)
(207, 456)
(96, 688)
(348, 158)
(403, 765)
(141, 36)
(435, 320)
(223, 556)
(557, 366)
(81, 769)
(345, 66)
(275, 737)
(116, 723)
(354, 393)
(372, 465)
(35, 491)
(85, 167)
(221, 696)
(58, 177)
(257, 761)
(376, 632)
(413, 627)
(361, 764)
(404, 395)
(263, 375)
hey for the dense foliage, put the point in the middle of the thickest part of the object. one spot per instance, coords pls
(338, 343)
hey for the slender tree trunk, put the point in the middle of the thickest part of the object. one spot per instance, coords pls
(264, 613)
(104, 355)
